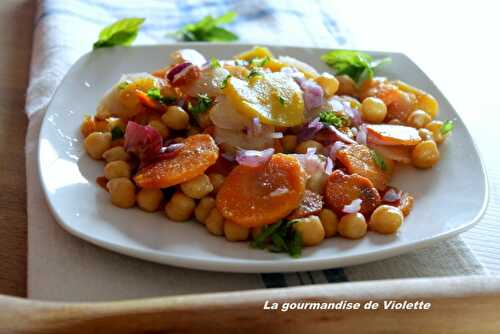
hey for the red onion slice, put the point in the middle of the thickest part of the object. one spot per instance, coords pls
(361, 137)
(313, 94)
(253, 158)
(176, 70)
(354, 207)
(332, 149)
(143, 141)
(341, 135)
(391, 196)
(329, 165)
(353, 113)
(310, 130)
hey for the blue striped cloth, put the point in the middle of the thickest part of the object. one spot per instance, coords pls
(66, 29)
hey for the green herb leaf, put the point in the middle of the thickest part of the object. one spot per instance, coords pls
(278, 238)
(379, 160)
(254, 73)
(204, 102)
(330, 118)
(122, 32)
(295, 245)
(267, 231)
(223, 84)
(117, 133)
(214, 63)
(358, 65)
(155, 94)
(282, 100)
(259, 62)
(447, 127)
(207, 29)
(123, 84)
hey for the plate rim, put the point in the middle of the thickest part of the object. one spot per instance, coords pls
(251, 265)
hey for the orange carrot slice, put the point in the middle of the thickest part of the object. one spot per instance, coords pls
(341, 189)
(256, 196)
(311, 204)
(390, 134)
(359, 159)
(198, 153)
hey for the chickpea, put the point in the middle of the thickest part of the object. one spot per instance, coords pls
(373, 110)
(310, 229)
(235, 232)
(203, 208)
(197, 187)
(193, 130)
(317, 182)
(328, 82)
(149, 199)
(122, 192)
(116, 169)
(425, 134)
(418, 119)
(386, 219)
(175, 118)
(217, 181)
(116, 153)
(302, 147)
(160, 127)
(435, 128)
(215, 222)
(425, 154)
(347, 86)
(180, 207)
(352, 226)
(289, 143)
(329, 220)
(97, 143)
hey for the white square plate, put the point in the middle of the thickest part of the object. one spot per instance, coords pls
(449, 198)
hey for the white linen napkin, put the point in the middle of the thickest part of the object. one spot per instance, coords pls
(63, 267)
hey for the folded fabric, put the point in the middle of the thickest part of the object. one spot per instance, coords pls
(62, 267)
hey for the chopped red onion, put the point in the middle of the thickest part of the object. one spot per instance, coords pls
(143, 141)
(253, 158)
(166, 152)
(332, 149)
(361, 137)
(329, 165)
(277, 135)
(353, 113)
(311, 151)
(313, 94)
(309, 130)
(255, 128)
(341, 135)
(354, 207)
(183, 74)
(176, 70)
(391, 195)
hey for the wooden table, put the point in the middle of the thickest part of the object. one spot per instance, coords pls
(16, 19)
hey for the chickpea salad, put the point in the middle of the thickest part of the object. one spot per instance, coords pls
(264, 148)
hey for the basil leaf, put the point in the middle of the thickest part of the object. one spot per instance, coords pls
(358, 65)
(117, 133)
(447, 127)
(208, 29)
(379, 160)
(122, 32)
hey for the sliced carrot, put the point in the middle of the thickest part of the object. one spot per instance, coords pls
(256, 196)
(390, 134)
(341, 189)
(198, 153)
(311, 204)
(359, 159)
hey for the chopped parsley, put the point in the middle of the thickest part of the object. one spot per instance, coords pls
(122, 32)
(155, 94)
(117, 133)
(223, 84)
(447, 127)
(279, 238)
(214, 63)
(379, 160)
(254, 73)
(358, 65)
(282, 100)
(203, 104)
(330, 118)
(208, 29)
(259, 62)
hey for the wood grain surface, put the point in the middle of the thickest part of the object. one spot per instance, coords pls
(16, 19)
(458, 305)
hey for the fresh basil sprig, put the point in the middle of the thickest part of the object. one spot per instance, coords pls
(208, 29)
(358, 65)
(122, 32)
